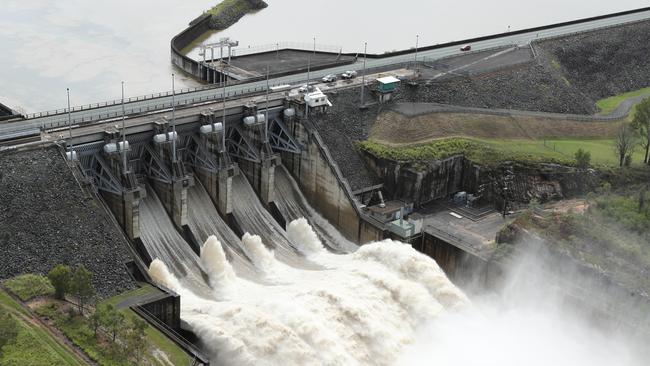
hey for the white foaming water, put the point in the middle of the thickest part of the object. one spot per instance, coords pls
(303, 236)
(360, 309)
(215, 264)
(160, 274)
(254, 248)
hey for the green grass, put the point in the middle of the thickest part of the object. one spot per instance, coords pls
(176, 355)
(34, 345)
(491, 152)
(146, 289)
(80, 332)
(8, 302)
(608, 105)
(29, 286)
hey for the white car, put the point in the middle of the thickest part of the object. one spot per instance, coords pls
(303, 89)
(329, 78)
(349, 74)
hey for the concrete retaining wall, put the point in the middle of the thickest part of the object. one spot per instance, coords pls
(322, 184)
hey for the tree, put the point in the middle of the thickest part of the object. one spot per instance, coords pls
(641, 124)
(8, 328)
(136, 341)
(96, 318)
(81, 286)
(60, 277)
(625, 143)
(112, 319)
(583, 158)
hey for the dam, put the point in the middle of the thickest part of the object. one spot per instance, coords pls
(274, 237)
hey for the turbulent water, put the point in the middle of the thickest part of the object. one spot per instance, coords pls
(293, 205)
(204, 221)
(162, 241)
(301, 304)
(382, 304)
(359, 309)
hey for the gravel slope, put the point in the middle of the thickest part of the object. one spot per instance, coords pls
(46, 219)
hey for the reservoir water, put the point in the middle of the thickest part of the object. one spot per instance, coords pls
(91, 46)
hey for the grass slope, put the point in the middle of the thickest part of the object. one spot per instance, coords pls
(34, 345)
(608, 105)
(78, 329)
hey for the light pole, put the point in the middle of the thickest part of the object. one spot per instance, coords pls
(363, 76)
(266, 117)
(123, 134)
(417, 39)
(173, 123)
(223, 120)
(70, 145)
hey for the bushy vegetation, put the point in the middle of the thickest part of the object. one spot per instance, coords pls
(481, 152)
(112, 336)
(237, 6)
(613, 235)
(583, 158)
(632, 213)
(25, 343)
(489, 152)
(29, 286)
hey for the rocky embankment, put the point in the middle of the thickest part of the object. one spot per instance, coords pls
(230, 12)
(605, 62)
(47, 219)
(341, 128)
(529, 87)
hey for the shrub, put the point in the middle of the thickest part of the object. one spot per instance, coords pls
(60, 277)
(28, 286)
(583, 158)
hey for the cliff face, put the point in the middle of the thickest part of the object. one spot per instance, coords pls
(422, 183)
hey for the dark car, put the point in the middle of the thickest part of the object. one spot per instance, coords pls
(466, 48)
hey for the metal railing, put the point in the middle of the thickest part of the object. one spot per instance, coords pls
(242, 51)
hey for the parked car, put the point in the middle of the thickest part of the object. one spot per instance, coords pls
(466, 48)
(303, 89)
(329, 78)
(349, 74)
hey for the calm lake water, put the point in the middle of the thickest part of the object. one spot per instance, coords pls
(90, 46)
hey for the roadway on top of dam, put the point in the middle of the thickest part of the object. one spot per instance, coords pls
(139, 105)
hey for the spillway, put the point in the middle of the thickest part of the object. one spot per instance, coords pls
(163, 242)
(255, 219)
(204, 220)
(293, 205)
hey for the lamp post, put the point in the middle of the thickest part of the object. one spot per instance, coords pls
(223, 120)
(173, 122)
(363, 76)
(123, 134)
(70, 145)
(266, 117)
(417, 39)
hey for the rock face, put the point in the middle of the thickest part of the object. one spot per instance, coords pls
(421, 183)
(605, 62)
(47, 219)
